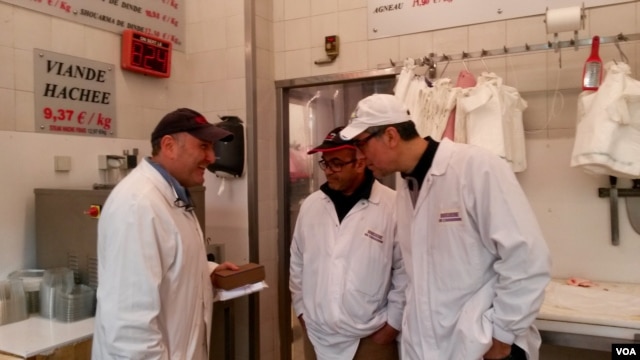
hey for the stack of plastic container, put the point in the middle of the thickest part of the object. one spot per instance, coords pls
(13, 306)
(62, 299)
(31, 280)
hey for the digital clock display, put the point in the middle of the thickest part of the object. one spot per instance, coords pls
(146, 54)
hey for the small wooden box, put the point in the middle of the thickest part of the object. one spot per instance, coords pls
(247, 274)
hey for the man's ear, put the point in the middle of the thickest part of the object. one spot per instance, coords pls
(168, 145)
(391, 137)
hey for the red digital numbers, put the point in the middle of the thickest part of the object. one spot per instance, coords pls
(149, 57)
(146, 54)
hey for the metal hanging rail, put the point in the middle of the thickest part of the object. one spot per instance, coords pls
(433, 58)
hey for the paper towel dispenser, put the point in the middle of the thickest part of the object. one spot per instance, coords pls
(229, 155)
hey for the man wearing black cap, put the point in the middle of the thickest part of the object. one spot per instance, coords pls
(347, 277)
(155, 297)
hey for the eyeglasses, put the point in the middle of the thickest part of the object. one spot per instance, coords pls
(362, 142)
(334, 165)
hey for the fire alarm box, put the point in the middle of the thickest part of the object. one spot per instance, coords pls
(331, 45)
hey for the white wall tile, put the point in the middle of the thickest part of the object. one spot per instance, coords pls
(297, 34)
(319, 54)
(264, 33)
(278, 10)
(352, 25)
(528, 72)
(235, 62)
(278, 36)
(207, 66)
(529, 30)
(415, 45)
(381, 50)
(8, 106)
(295, 9)
(217, 9)
(487, 36)
(31, 30)
(214, 96)
(321, 26)
(233, 7)
(236, 93)
(354, 56)
(613, 20)
(25, 117)
(68, 38)
(323, 7)
(6, 25)
(195, 37)
(235, 31)
(24, 69)
(351, 4)
(450, 41)
(264, 65)
(563, 111)
(535, 115)
(279, 65)
(214, 35)
(264, 9)
(7, 70)
(99, 46)
(570, 75)
(297, 63)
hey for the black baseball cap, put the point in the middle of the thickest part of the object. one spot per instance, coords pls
(333, 142)
(192, 122)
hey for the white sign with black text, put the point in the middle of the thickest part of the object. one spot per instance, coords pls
(399, 17)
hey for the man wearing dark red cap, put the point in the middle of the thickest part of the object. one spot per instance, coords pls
(155, 296)
(347, 277)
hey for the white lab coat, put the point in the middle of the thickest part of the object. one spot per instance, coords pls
(346, 278)
(155, 297)
(475, 256)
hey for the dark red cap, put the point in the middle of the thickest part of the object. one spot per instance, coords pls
(192, 122)
(333, 142)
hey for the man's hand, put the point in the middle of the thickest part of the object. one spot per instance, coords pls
(224, 266)
(304, 326)
(498, 350)
(385, 335)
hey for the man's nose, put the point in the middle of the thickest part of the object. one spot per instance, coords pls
(211, 156)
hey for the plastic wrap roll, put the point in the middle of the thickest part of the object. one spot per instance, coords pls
(564, 19)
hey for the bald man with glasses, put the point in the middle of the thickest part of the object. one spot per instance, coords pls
(347, 277)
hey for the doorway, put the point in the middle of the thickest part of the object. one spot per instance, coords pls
(307, 110)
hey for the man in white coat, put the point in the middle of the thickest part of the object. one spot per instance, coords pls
(347, 277)
(155, 295)
(474, 253)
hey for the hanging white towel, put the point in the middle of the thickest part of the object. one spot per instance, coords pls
(437, 108)
(484, 114)
(608, 131)
(417, 91)
(514, 105)
(403, 79)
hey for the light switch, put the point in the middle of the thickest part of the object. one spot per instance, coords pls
(62, 163)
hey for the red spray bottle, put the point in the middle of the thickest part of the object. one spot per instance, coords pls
(592, 72)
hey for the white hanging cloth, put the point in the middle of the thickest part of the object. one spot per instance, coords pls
(436, 108)
(490, 116)
(403, 79)
(608, 131)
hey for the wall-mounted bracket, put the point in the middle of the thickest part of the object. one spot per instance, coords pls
(332, 48)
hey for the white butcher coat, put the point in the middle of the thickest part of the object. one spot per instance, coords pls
(346, 278)
(155, 297)
(475, 256)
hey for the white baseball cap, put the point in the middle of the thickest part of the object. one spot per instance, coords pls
(375, 110)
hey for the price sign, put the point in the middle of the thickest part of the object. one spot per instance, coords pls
(73, 96)
(146, 54)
